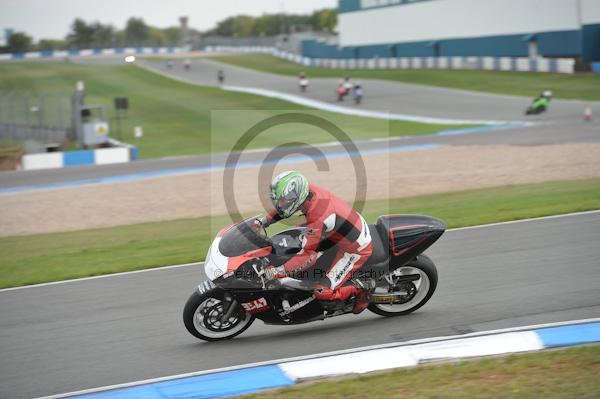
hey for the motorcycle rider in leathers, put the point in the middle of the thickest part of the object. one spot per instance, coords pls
(331, 222)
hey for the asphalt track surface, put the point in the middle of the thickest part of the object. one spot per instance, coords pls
(562, 124)
(116, 329)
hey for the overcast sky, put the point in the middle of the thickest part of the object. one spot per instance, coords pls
(52, 18)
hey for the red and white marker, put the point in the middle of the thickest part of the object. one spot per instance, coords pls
(587, 113)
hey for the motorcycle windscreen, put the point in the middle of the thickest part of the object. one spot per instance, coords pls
(243, 238)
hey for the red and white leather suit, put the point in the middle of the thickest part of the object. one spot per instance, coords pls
(332, 223)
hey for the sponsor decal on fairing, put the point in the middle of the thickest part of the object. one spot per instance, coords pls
(256, 306)
(297, 306)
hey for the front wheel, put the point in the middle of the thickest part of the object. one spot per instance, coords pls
(203, 317)
(414, 292)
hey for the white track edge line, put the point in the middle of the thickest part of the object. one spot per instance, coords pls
(526, 220)
(102, 276)
(200, 262)
(324, 106)
(321, 355)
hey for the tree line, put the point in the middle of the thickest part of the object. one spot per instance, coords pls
(138, 34)
(273, 24)
(97, 35)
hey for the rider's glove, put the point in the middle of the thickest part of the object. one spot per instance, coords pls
(272, 273)
(261, 222)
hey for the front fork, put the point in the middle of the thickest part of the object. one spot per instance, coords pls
(230, 304)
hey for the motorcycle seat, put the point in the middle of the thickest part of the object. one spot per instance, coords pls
(380, 247)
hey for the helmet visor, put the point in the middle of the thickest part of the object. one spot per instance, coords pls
(284, 204)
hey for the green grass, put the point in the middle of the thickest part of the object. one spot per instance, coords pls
(176, 117)
(583, 86)
(567, 373)
(50, 257)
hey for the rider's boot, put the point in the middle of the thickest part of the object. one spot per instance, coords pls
(358, 289)
(362, 298)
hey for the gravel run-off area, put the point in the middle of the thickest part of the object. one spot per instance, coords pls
(400, 174)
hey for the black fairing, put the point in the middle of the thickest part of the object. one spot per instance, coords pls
(309, 312)
(408, 235)
(288, 242)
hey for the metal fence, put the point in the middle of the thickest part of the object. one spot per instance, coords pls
(44, 117)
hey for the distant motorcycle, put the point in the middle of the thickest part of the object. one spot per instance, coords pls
(237, 292)
(344, 88)
(536, 108)
(358, 94)
(540, 104)
(341, 92)
(303, 84)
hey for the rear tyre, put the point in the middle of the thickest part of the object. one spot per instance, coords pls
(202, 317)
(417, 292)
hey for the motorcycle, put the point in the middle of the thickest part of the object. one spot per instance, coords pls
(341, 92)
(237, 292)
(538, 106)
(358, 94)
(303, 84)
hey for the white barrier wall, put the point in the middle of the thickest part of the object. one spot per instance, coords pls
(111, 155)
(102, 156)
(89, 52)
(50, 160)
(448, 19)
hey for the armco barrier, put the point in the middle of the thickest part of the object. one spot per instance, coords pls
(32, 55)
(558, 65)
(101, 156)
(252, 378)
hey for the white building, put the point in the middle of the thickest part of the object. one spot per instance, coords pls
(424, 28)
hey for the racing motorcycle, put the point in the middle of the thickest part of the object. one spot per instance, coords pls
(303, 84)
(236, 291)
(539, 104)
(535, 109)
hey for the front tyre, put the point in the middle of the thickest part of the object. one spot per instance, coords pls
(414, 293)
(203, 317)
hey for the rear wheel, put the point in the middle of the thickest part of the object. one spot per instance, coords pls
(203, 317)
(411, 295)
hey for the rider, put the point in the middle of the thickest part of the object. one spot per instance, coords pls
(331, 222)
(543, 100)
(302, 81)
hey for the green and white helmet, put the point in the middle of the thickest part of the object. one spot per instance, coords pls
(288, 191)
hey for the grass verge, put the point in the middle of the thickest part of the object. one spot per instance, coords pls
(50, 257)
(566, 373)
(582, 86)
(176, 117)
